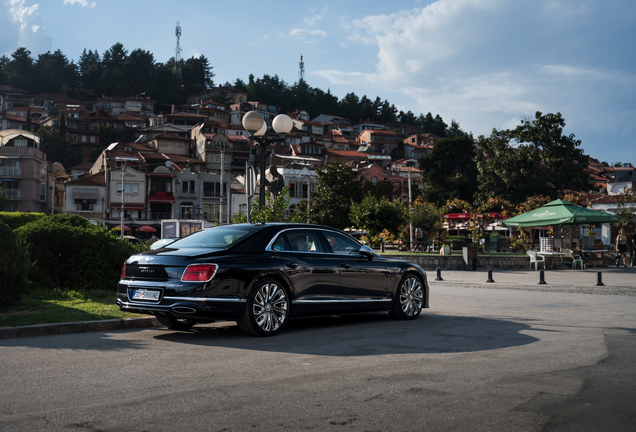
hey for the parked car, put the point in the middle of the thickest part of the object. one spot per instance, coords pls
(261, 275)
(162, 242)
(132, 239)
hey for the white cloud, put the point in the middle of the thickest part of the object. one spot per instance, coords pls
(307, 36)
(317, 16)
(22, 27)
(82, 3)
(488, 63)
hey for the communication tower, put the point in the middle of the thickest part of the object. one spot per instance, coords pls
(176, 68)
(301, 71)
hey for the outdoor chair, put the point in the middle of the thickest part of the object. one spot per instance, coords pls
(576, 259)
(536, 259)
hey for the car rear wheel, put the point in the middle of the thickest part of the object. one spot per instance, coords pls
(176, 324)
(409, 299)
(267, 309)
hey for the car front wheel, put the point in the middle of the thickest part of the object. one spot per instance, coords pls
(267, 309)
(409, 299)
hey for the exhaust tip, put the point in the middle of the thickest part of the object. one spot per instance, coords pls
(184, 309)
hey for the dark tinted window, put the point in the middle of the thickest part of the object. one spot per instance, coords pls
(218, 237)
(340, 243)
(298, 241)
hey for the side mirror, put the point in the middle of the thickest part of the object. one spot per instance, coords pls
(366, 251)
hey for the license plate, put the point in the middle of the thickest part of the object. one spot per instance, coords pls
(144, 294)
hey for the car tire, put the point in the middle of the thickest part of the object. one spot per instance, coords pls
(267, 310)
(409, 298)
(176, 324)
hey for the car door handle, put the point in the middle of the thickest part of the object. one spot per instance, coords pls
(345, 265)
(292, 265)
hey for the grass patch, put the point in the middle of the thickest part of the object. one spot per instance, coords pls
(56, 306)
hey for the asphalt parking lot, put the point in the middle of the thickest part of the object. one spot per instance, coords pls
(483, 357)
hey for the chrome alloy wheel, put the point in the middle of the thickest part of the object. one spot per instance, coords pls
(270, 307)
(411, 296)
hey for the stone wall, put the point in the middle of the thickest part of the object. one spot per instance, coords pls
(456, 262)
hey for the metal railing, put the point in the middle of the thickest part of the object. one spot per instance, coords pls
(12, 193)
(160, 215)
(11, 171)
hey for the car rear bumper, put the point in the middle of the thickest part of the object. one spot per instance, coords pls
(199, 309)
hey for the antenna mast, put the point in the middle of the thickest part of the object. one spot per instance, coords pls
(176, 68)
(301, 71)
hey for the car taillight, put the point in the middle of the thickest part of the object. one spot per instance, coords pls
(123, 272)
(199, 273)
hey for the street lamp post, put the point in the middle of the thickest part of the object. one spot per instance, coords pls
(256, 127)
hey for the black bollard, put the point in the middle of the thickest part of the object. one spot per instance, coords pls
(490, 277)
(599, 280)
(439, 274)
(541, 278)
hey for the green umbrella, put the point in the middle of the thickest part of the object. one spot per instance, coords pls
(560, 212)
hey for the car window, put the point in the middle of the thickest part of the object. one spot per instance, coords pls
(300, 241)
(217, 237)
(340, 243)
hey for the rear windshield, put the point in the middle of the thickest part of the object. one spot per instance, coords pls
(220, 237)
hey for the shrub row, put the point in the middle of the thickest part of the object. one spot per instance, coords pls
(60, 251)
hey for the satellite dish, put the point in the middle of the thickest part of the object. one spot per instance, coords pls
(169, 164)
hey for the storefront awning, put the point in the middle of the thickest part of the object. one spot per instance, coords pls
(85, 194)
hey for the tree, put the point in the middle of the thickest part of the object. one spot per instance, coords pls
(273, 210)
(57, 147)
(562, 160)
(27, 125)
(19, 70)
(197, 75)
(376, 215)
(449, 171)
(336, 188)
(626, 209)
(139, 68)
(506, 172)
(533, 159)
(62, 130)
(5, 201)
(426, 216)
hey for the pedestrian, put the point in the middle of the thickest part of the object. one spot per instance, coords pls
(154, 238)
(621, 248)
(633, 249)
(584, 257)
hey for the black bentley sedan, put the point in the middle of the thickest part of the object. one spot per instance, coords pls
(261, 275)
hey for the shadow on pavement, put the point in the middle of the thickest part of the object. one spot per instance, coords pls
(367, 335)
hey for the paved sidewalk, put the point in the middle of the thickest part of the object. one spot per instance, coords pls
(616, 281)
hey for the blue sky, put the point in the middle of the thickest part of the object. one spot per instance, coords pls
(485, 63)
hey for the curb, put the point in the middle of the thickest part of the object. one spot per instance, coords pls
(77, 327)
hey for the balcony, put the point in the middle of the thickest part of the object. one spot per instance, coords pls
(160, 215)
(10, 171)
(13, 193)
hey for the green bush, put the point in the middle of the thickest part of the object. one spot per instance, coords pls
(16, 219)
(13, 267)
(68, 252)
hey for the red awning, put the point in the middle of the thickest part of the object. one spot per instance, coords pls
(118, 228)
(146, 228)
(457, 216)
